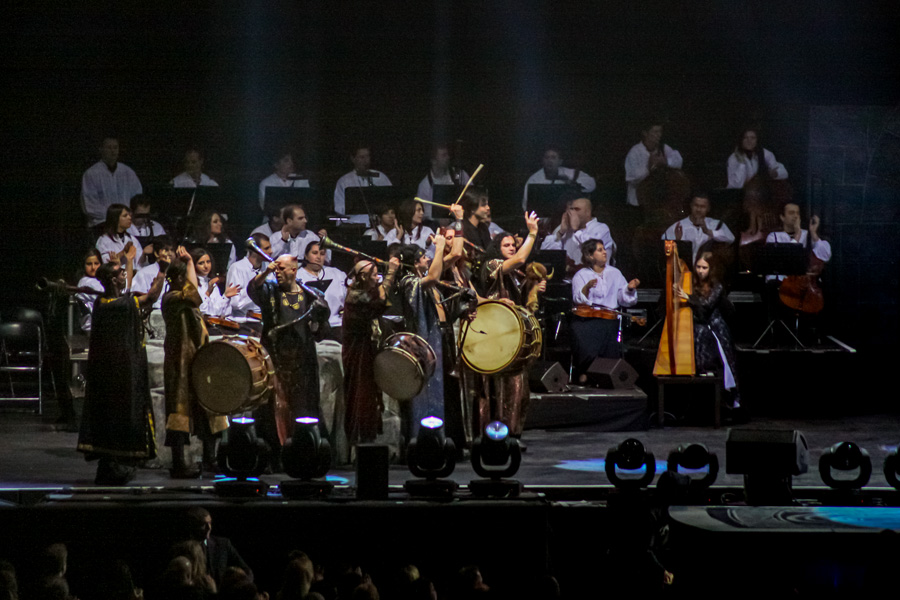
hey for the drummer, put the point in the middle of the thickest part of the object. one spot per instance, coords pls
(598, 288)
(501, 280)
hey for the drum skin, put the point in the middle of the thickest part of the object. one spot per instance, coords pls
(501, 338)
(232, 375)
(404, 365)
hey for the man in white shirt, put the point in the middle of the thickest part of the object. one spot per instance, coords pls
(240, 274)
(698, 228)
(164, 251)
(293, 237)
(792, 233)
(578, 226)
(193, 175)
(553, 173)
(441, 173)
(646, 156)
(361, 176)
(284, 176)
(107, 182)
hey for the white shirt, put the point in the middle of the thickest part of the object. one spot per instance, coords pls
(420, 239)
(274, 180)
(240, 273)
(741, 170)
(214, 304)
(387, 236)
(186, 181)
(571, 243)
(295, 246)
(636, 169)
(334, 295)
(426, 187)
(87, 300)
(611, 290)
(106, 244)
(101, 188)
(351, 179)
(820, 249)
(263, 229)
(144, 279)
(152, 229)
(494, 229)
(694, 234)
(587, 182)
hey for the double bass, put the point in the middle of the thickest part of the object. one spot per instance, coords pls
(676, 346)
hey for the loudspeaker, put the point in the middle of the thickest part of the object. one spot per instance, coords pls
(372, 464)
(766, 451)
(547, 377)
(611, 373)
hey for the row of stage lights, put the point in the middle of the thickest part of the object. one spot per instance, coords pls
(767, 460)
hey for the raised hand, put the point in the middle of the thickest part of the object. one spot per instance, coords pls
(531, 221)
(457, 210)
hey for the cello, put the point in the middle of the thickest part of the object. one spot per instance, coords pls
(676, 346)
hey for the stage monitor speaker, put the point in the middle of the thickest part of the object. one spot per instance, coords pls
(372, 464)
(766, 452)
(545, 377)
(611, 373)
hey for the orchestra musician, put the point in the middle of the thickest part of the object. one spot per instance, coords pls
(698, 228)
(578, 225)
(283, 175)
(793, 233)
(240, 274)
(361, 176)
(598, 289)
(440, 173)
(553, 173)
(312, 268)
(193, 175)
(647, 156)
(744, 163)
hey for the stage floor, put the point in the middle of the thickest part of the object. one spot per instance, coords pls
(35, 454)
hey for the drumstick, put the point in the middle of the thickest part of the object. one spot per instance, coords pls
(417, 199)
(447, 206)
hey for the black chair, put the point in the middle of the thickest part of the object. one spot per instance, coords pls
(21, 352)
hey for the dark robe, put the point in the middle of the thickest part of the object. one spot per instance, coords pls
(185, 333)
(361, 341)
(117, 420)
(420, 317)
(293, 348)
(709, 324)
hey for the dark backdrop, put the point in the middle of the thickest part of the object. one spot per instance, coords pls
(240, 79)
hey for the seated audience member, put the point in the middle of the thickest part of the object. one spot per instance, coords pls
(283, 176)
(214, 302)
(293, 237)
(193, 175)
(793, 233)
(164, 251)
(313, 269)
(410, 219)
(699, 228)
(553, 173)
(441, 173)
(220, 553)
(116, 240)
(107, 182)
(386, 228)
(744, 163)
(92, 261)
(647, 156)
(209, 228)
(578, 226)
(360, 176)
(598, 286)
(273, 223)
(469, 583)
(240, 274)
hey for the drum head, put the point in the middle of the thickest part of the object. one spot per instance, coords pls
(494, 338)
(221, 377)
(398, 374)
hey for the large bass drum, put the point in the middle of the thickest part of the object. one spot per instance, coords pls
(501, 338)
(404, 366)
(232, 375)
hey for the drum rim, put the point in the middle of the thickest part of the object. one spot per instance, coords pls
(511, 309)
(414, 335)
(248, 371)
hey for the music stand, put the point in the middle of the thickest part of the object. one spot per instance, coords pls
(308, 198)
(366, 200)
(176, 202)
(445, 193)
(547, 199)
(780, 259)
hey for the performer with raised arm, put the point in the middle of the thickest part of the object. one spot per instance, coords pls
(361, 176)
(578, 225)
(116, 424)
(597, 290)
(185, 333)
(647, 156)
(442, 172)
(793, 233)
(698, 228)
(366, 301)
(293, 320)
(553, 173)
(750, 160)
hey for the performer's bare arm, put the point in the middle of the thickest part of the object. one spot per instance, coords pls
(437, 264)
(511, 264)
